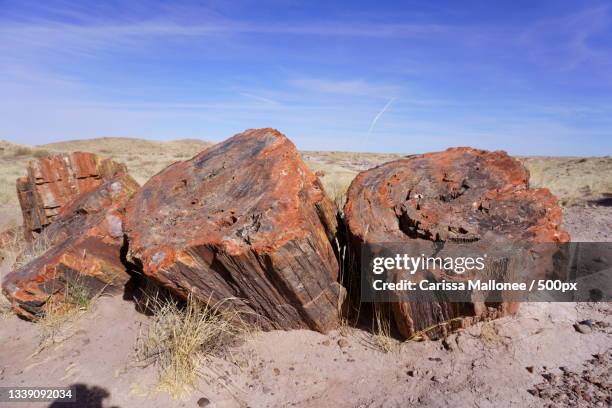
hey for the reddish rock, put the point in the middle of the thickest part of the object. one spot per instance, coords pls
(54, 181)
(244, 222)
(461, 195)
(84, 244)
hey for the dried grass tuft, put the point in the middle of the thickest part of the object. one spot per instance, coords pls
(383, 338)
(179, 337)
(61, 312)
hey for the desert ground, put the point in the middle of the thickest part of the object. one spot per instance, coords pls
(536, 358)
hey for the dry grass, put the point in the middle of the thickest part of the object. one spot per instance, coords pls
(61, 312)
(30, 251)
(336, 190)
(12, 244)
(23, 151)
(574, 180)
(344, 325)
(179, 337)
(426, 333)
(5, 307)
(383, 338)
(489, 333)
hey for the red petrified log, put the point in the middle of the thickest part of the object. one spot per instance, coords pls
(245, 223)
(54, 181)
(84, 244)
(459, 195)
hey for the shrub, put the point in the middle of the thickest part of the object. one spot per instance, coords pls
(23, 151)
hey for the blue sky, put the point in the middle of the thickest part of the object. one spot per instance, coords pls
(527, 77)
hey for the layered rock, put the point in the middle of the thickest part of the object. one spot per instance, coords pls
(54, 181)
(462, 195)
(244, 224)
(83, 246)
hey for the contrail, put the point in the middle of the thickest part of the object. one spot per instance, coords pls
(380, 114)
(376, 120)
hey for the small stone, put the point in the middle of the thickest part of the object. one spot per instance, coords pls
(587, 322)
(582, 328)
(325, 343)
(276, 371)
(203, 402)
(343, 343)
(410, 373)
(530, 369)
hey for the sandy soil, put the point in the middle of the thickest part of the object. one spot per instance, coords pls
(534, 358)
(489, 365)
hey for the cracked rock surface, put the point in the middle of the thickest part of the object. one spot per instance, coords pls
(54, 181)
(244, 222)
(84, 246)
(461, 195)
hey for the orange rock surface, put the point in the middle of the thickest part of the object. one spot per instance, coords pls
(244, 222)
(460, 195)
(54, 181)
(85, 244)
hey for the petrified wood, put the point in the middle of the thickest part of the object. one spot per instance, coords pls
(474, 197)
(54, 181)
(244, 224)
(83, 248)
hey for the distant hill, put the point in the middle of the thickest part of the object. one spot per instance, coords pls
(120, 146)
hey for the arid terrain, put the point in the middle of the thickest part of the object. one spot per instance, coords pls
(535, 358)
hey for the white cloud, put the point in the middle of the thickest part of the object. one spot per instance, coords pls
(346, 87)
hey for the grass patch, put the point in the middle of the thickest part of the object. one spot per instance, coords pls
(180, 336)
(337, 189)
(383, 338)
(23, 151)
(27, 252)
(41, 153)
(12, 243)
(61, 312)
(5, 307)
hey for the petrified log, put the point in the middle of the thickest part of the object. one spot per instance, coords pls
(464, 195)
(244, 224)
(54, 181)
(83, 247)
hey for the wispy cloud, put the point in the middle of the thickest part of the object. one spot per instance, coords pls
(260, 98)
(571, 41)
(346, 87)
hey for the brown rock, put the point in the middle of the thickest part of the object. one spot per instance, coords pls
(244, 222)
(461, 195)
(84, 245)
(54, 181)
